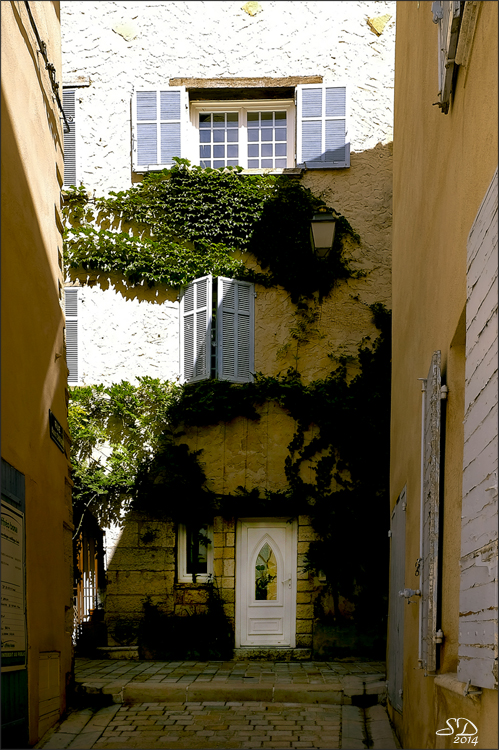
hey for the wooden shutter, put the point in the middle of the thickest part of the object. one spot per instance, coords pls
(322, 141)
(71, 311)
(195, 330)
(478, 596)
(447, 14)
(159, 126)
(235, 330)
(397, 604)
(69, 106)
(431, 514)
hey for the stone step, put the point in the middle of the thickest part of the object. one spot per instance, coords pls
(347, 690)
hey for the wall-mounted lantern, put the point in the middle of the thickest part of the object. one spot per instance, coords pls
(322, 229)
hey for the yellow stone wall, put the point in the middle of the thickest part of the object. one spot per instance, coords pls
(443, 165)
(33, 358)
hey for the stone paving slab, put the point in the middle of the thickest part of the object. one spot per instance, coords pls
(235, 725)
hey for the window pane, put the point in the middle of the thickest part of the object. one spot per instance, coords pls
(232, 151)
(266, 574)
(280, 134)
(205, 136)
(266, 163)
(254, 150)
(267, 149)
(267, 115)
(281, 163)
(232, 117)
(280, 149)
(205, 151)
(197, 549)
(204, 121)
(253, 164)
(232, 136)
(280, 115)
(232, 163)
(219, 119)
(267, 134)
(217, 164)
(219, 152)
(253, 116)
(219, 136)
(253, 135)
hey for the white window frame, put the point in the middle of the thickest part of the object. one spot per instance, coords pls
(182, 575)
(242, 107)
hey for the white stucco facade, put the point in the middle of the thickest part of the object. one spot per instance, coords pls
(111, 49)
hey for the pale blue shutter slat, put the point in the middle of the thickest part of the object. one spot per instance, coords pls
(160, 119)
(71, 313)
(322, 127)
(195, 332)
(69, 106)
(235, 330)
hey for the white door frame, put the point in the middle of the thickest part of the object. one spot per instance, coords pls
(287, 584)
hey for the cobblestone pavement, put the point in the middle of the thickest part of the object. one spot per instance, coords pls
(218, 725)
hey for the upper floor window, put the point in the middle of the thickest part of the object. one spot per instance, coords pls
(217, 330)
(309, 129)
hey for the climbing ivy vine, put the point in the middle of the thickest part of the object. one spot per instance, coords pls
(185, 222)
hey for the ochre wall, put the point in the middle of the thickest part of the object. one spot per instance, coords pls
(33, 358)
(443, 165)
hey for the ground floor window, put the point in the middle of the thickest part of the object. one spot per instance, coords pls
(195, 553)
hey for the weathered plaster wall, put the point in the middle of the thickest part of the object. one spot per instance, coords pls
(217, 39)
(442, 171)
(34, 369)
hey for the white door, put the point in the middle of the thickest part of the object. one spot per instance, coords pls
(266, 559)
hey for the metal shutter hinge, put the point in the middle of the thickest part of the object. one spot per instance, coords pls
(467, 690)
(443, 392)
(438, 637)
(390, 533)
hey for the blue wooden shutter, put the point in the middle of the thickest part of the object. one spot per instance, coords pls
(431, 514)
(235, 330)
(69, 106)
(447, 14)
(322, 141)
(159, 122)
(71, 312)
(195, 330)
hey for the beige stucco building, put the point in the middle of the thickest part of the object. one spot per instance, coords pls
(442, 651)
(117, 60)
(37, 606)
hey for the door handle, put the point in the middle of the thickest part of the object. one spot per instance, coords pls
(288, 581)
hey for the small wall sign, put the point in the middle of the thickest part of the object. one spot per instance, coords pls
(56, 432)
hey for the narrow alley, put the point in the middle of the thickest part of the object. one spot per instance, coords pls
(233, 704)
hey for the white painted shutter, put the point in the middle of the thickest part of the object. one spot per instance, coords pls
(195, 330)
(322, 136)
(159, 120)
(447, 14)
(235, 330)
(69, 107)
(478, 596)
(71, 312)
(431, 514)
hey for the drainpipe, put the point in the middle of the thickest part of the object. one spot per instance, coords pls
(421, 508)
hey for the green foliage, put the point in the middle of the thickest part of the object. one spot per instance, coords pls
(114, 429)
(186, 222)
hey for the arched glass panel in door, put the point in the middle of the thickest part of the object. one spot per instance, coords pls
(266, 574)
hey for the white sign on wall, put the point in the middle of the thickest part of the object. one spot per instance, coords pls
(13, 593)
